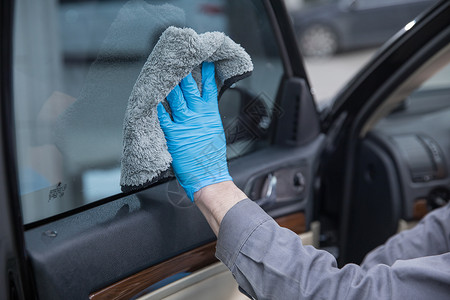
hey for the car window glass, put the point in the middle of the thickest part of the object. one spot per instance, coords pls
(338, 38)
(75, 63)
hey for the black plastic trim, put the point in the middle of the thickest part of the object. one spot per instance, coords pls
(379, 204)
(275, 22)
(298, 123)
(286, 32)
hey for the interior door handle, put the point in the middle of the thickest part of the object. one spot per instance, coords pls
(271, 191)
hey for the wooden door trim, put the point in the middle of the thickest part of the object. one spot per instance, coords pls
(189, 261)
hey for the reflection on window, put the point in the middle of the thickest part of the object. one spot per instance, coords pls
(75, 64)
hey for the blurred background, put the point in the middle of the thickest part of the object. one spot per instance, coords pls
(337, 37)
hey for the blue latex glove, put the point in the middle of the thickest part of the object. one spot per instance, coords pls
(195, 138)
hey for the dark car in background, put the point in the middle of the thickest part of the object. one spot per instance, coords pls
(326, 27)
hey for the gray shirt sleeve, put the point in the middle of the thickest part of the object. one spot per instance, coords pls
(270, 262)
(430, 237)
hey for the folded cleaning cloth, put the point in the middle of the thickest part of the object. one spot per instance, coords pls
(179, 51)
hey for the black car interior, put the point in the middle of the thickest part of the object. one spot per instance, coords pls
(399, 168)
(402, 167)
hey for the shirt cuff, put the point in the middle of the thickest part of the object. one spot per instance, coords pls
(236, 227)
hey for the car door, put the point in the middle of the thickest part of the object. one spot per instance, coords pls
(73, 66)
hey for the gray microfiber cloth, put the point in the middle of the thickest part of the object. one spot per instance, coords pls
(179, 51)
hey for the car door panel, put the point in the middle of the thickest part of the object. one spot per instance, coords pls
(216, 281)
(189, 266)
(149, 227)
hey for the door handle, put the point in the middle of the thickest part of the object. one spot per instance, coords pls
(271, 191)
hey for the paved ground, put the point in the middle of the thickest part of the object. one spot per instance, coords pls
(328, 75)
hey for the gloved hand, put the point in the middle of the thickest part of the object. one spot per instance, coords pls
(195, 138)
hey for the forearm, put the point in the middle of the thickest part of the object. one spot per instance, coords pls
(270, 262)
(215, 200)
